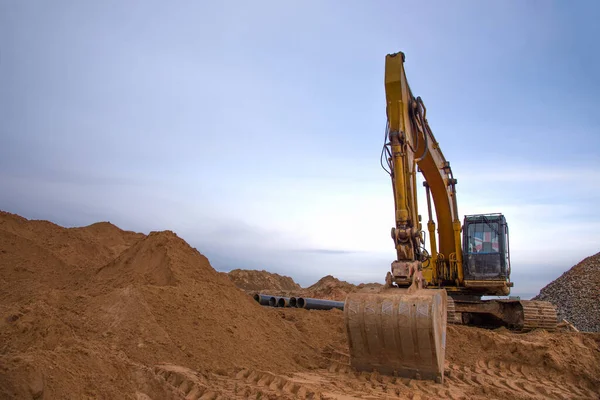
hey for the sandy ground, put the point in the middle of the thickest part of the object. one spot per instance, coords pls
(97, 312)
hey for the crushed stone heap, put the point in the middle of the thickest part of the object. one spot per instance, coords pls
(576, 294)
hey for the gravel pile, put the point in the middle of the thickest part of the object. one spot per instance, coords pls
(576, 294)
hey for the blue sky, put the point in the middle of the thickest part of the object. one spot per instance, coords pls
(253, 129)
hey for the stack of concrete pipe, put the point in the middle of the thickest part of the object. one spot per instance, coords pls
(297, 302)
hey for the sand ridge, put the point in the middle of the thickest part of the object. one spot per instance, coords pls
(98, 312)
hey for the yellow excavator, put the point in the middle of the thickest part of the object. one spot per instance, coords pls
(402, 330)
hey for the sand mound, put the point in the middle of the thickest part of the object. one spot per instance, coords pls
(576, 294)
(86, 247)
(110, 236)
(254, 280)
(29, 267)
(157, 301)
(156, 321)
(161, 259)
(328, 287)
(576, 355)
(480, 364)
(332, 288)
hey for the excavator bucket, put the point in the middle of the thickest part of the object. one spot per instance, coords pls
(398, 332)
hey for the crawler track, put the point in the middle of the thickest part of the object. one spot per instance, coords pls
(453, 316)
(538, 314)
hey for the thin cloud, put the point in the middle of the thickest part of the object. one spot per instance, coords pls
(534, 174)
(328, 251)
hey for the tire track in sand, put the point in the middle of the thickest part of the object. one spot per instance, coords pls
(481, 380)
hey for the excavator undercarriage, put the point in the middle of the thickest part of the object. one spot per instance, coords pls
(402, 329)
(517, 315)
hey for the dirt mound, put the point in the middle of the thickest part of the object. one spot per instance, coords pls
(327, 287)
(254, 280)
(86, 247)
(113, 238)
(161, 259)
(157, 301)
(332, 288)
(156, 321)
(480, 364)
(39, 255)
(28, 266)
(576, 355)
(576, 294)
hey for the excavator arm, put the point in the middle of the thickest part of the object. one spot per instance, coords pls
(403, 331)
(409, 143)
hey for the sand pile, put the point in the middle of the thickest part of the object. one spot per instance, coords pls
(160, 259)
(328, 287)
(256, 281)
(40, 255)
(205, 316)
(159, 300)
(332, 288)
(576, 294)
(480, 364)
(576, 355)
(97, 312)
(87, 247)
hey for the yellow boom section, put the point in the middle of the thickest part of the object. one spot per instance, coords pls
(407, 115)
(402, 331)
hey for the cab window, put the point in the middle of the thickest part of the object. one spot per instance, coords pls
(483, 238)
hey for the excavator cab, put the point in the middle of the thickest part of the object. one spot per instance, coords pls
(486, 253)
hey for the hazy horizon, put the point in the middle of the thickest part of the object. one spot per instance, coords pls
(303, 282)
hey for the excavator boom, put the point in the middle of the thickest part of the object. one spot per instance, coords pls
(413, 145)
(401, 331)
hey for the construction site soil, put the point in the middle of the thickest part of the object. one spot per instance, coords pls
(101, 313)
